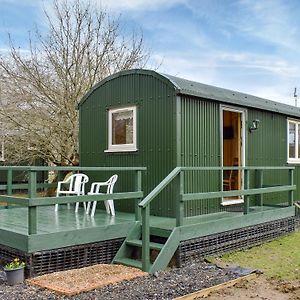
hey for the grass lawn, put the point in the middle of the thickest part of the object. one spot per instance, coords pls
(279, 259)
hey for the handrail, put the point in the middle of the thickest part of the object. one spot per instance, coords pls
(234, 168)
(71, 168)
(232, 193)
(46, 201)
(32, 201)
(182, 197)
(160, 187)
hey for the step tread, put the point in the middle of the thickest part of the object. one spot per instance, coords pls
(138, 243)
(128, 262)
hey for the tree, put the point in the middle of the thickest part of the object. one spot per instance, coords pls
(40, 88)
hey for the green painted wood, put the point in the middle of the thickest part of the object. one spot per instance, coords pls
(14, 240)
(138, 188)
(14, 200)
(146, 238)
(235, 168)
(178, 131)
(32, 220)
(161, 231)
(234, 222)
(210, 195)
(138, 243)
(159, 187)
(70, 168)
(32, 212)
(156, 140)
(125, 251)
(180, 204)
(167, 252)
(9, 182)
(45, 201)
(38, 242)
(291, 182)
(259, 177)
(246, 197)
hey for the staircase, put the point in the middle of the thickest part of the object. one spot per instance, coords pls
(163, 245)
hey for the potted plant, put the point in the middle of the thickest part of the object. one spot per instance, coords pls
(14, 271)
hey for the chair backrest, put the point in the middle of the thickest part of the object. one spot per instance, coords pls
(110, 183)
(77, 182)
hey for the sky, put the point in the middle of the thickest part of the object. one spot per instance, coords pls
(250, 46)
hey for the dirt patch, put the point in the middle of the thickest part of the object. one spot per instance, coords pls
(260, 288)
(73, 282)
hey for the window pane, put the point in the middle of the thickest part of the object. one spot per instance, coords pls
(292, 140)
(122, 127)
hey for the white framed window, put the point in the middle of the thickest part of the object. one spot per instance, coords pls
(122, 129)
(293, 145)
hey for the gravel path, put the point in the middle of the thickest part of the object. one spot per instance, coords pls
(163, 285)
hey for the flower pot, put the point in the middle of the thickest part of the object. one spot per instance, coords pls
(14, 276)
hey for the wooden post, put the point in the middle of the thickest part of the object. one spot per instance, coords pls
(246, 187)
(9, 182)
(32, 213)
(259, 184)
(146, 238)
(138, 188)
(291, 182)
(179, 181)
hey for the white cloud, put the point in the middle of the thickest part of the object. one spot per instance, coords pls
(140, 5)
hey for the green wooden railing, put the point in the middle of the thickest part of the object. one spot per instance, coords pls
(32, 201)
(177, 175)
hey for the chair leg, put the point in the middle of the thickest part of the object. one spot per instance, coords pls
(111, 207)
(93, 208)
(88, 206)
(107, 206)
(56, 207)
(84, 205)
(76, 207)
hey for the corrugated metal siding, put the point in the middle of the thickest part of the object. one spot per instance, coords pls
(156, 137)
(267, 146)
(200, 146)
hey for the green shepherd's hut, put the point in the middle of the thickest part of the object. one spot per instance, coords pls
(209, 153)
(201, 171)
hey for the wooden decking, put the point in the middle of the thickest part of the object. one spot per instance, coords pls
(67, 228)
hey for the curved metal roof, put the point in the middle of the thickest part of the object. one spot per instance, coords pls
(197, 89)
(204, 91)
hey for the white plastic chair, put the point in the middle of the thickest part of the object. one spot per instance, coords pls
(76, 184)
(95, 189)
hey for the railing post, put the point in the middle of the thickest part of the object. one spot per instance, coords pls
(291, 182)
(146, 238)
(9, 182)
(179, 203)
(32, 214)
(259, 184)
(138, 188)
(246, 187)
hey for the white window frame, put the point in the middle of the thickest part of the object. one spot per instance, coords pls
(122, 147)
(295, 160)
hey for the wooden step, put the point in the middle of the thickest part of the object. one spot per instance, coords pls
(129, 262)
(138, 243)
(160, 232)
